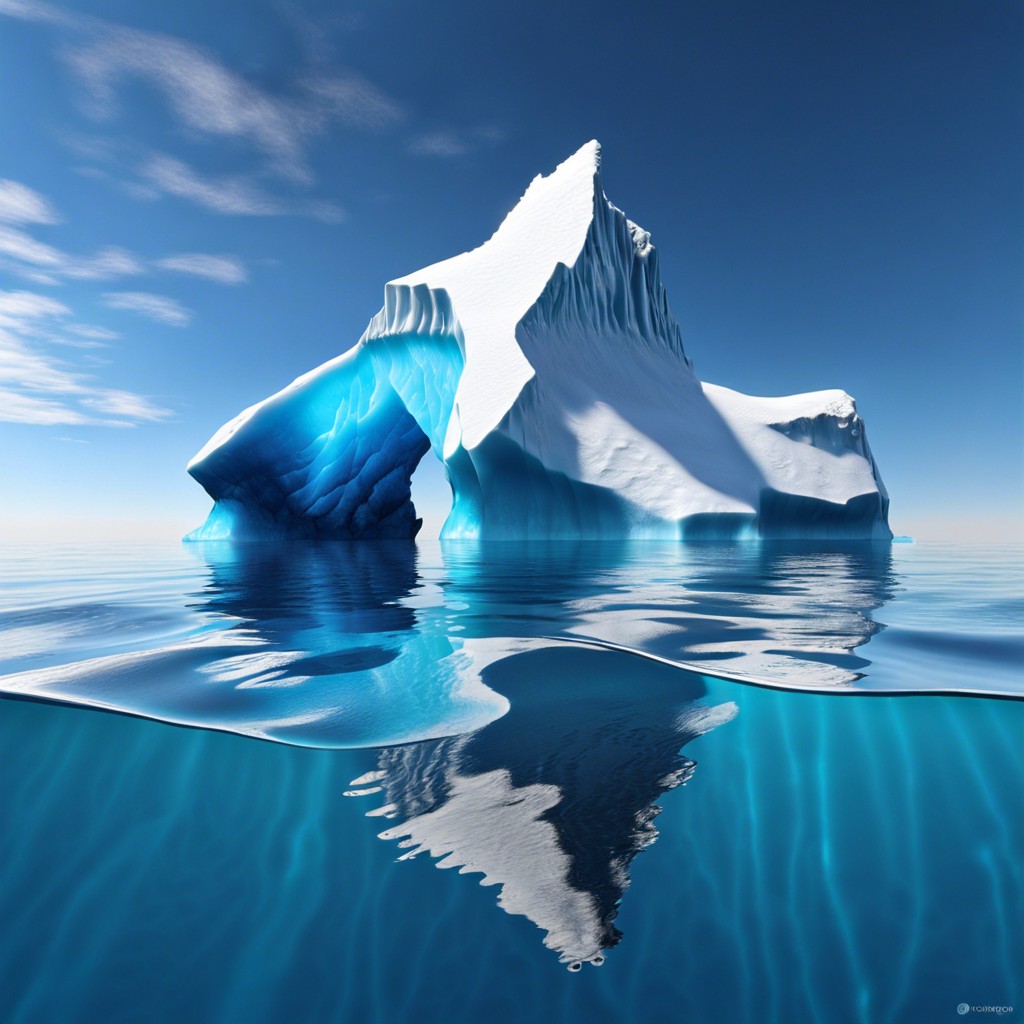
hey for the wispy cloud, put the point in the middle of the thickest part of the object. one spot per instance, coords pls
(223, 269)
(37, 388)
(33, 10)
(155, 307)
(17, 309)
(21, 205)
(151, 176)
(93, 333)
(21, 246)
(349, 99)
(229, 194)
(137, 190)
(315, 34)
(449, 144)
(125, 404)
(442, 144)
(46, 264)
(202, 94)
(225, 194)
(107, 263)
(41, 263)
(209, 98)
(17, 407)
(27, 273)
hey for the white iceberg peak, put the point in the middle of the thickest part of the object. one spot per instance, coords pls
(491, 288)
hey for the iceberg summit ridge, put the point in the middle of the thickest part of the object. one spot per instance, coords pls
(547, 372)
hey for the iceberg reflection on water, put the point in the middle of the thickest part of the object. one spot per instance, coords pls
(552, 801)
(367, 644)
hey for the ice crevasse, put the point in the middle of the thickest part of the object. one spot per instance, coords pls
(547, 372)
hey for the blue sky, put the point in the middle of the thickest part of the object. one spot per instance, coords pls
(200, 203)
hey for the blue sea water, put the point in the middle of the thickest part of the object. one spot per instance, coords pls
(750, 782)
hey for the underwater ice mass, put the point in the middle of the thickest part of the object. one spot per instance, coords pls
(547, 373)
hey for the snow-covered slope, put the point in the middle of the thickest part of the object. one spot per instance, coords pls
(547, 372)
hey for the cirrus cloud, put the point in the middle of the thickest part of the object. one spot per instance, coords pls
(448, 144)
(40, 389)
(222, 269)
(156, 307)
(21, 205)
(42, 263)
(206, 96)
(228, 194)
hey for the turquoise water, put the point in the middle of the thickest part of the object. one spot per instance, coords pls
(520, 714)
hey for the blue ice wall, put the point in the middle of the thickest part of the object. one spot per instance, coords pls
(333, 455)
(501, 492)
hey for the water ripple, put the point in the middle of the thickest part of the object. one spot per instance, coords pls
(337, 645)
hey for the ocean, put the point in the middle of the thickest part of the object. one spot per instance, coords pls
(760, 782)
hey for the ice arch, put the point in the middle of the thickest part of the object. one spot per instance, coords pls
(332, 455)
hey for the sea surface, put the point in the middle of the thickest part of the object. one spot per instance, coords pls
(749, 782)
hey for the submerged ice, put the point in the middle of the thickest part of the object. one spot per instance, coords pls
(547, 373)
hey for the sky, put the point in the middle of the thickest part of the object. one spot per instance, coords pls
(199, 204)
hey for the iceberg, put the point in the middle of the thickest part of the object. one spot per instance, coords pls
(547, 373)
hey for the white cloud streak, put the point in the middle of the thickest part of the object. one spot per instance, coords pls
(19, 308)
(125, 404)
(449, 144)
(16, 407)
(36, 388)
(201, 93)
(222, 269)
(439, 144)
(92, 333)
(45, 264)
(21, 205)
(229, 194)
(209, 98)
(105, 264)
(27, 273)
(351, 100)
(155, 307)
(33, 10)
(20, 246)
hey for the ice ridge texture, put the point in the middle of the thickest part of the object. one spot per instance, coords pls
(547, 372)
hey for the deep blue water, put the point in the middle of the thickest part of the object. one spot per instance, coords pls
(842, 843)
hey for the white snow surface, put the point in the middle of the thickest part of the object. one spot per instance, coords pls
(493, 286)
(808, 471)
